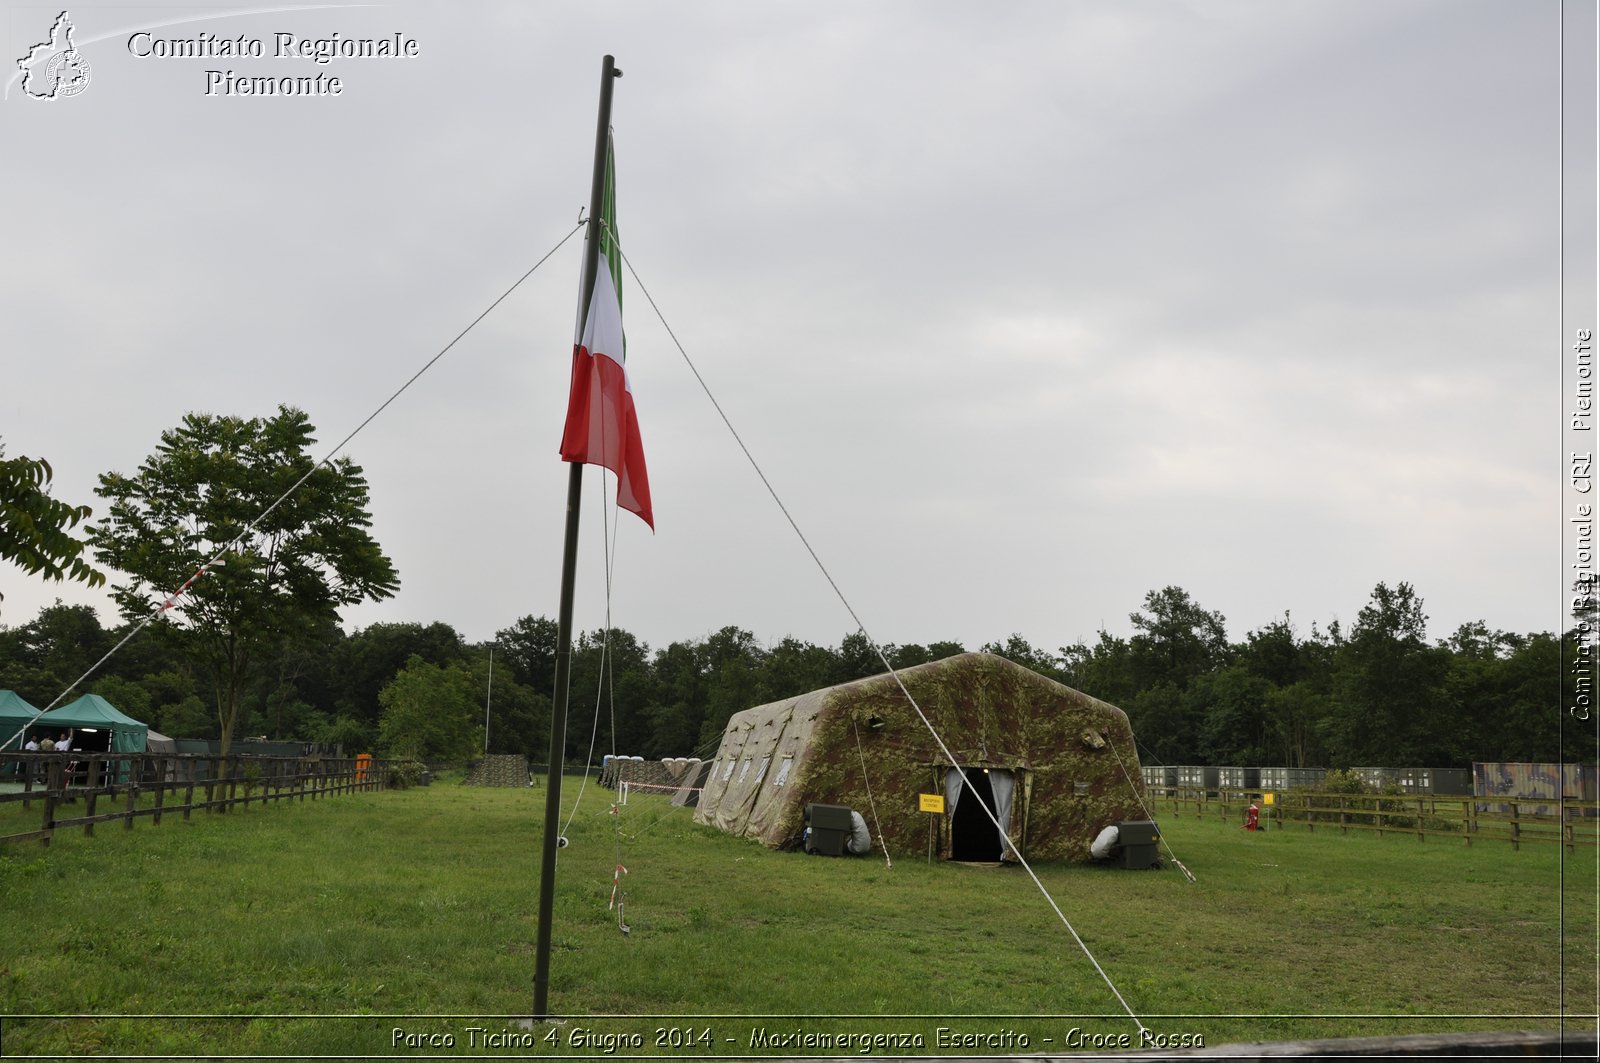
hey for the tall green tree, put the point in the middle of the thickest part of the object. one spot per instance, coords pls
(294, 557)
(1164, 725)
(1231, 707)
(1104, 670)
(529, 646)
(855, 658)
(518, 717)
(53, 650)
(678, 710)
(609, 690)
(731, 660)
(793, 667)
(369, 659)
(1020, 651)
(1295, 716)
(1389, 704)
(432, 712)
(1175, 639)
(35, 528)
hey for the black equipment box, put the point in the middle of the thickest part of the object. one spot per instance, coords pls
(1139, 840)
(830, 829)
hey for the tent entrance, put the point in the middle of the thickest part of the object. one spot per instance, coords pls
(986, 792)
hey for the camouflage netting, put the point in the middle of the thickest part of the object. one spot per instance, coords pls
(1063, 748)
(668, 773)
(498, 769)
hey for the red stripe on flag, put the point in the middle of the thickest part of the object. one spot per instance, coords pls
(602, 428)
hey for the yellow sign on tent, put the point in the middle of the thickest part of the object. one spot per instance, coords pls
(931, 802)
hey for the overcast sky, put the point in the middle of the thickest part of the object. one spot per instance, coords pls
(1025, 309)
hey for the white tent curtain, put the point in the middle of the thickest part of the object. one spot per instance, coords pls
(1004, 785)
(952, 790)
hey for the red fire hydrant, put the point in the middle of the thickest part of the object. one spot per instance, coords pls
(1252, 817)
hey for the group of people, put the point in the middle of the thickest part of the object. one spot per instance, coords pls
(62, 744)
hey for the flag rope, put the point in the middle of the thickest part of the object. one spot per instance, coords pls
(955, 765)
(1146, 809)
(871, 804)
(249, 528)
(608, 551)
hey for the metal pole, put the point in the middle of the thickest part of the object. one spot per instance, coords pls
(569, 565)
(488, 699)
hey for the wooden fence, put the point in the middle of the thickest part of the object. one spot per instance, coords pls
(126, 786)
(1464, 817)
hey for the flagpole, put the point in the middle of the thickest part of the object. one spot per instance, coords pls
(569, 568)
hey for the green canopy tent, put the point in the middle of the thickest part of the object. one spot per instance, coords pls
(14, 714)
(95, 713)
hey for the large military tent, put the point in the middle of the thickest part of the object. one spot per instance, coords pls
(1055, 766)
(94, 714)
(14, 712)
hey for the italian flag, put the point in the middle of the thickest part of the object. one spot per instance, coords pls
(602, 428)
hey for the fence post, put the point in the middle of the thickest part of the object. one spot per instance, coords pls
(133, 794)
(92, 779)
(52, 784)
(161, 787)
(1516, 825)
(1344, 821)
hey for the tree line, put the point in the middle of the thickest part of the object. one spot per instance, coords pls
(264, 544)
(1377, 694)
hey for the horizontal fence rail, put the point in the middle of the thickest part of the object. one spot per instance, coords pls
(1468, 817)
(105, 787)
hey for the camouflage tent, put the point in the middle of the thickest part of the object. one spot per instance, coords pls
(1054, 765)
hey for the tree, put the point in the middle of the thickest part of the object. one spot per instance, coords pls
(609, 685)
(1389, 704)
(1175, 639)
(54, 649)
(731, 660)
(369, 659)
(1294, 714)
(1231, 707)
(517, 716)
(678, 710)
(529, 646)
(1104, 670)
(432, 713)
(1273, 653)
(1163, 725)
(855, 658)
(1019, 651)
(794, 667)
(295, 532)
(34, 526)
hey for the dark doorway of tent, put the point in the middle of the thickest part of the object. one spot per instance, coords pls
(974, 807)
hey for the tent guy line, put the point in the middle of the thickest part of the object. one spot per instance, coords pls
(876, 648)
(249, 529)
(1149, 815)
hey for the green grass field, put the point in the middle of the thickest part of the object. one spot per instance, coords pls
(389, 923)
